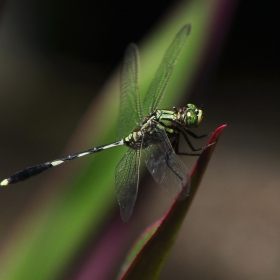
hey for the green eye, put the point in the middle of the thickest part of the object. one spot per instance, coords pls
(191, 106)
(194, 116)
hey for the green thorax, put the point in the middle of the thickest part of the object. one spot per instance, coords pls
(187, 117)
(172, 121)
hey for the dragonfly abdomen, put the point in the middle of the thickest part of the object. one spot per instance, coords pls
(27, 173)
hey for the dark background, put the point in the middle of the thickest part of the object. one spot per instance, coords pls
(234, 222)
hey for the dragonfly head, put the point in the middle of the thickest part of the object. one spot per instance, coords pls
(193, 116)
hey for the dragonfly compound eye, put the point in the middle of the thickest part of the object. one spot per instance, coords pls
(193, 116)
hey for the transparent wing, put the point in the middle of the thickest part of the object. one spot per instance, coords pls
(164, 165)
(161, 79)
(126, 182)
(130, 103)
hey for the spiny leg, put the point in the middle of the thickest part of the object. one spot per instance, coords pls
(167, 159)
(197, 136)
(37, 169)
(175, 143)
(164, 165)
(188, 182)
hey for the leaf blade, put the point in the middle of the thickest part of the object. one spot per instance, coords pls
(149, 260)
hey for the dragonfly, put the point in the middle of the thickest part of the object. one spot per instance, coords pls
(142, 127)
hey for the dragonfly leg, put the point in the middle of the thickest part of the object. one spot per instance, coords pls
(167, 159)
(197, 136)
(175, 145)
(184, 182)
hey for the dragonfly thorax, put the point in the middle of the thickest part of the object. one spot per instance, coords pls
(169, 120)
(172, 120)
